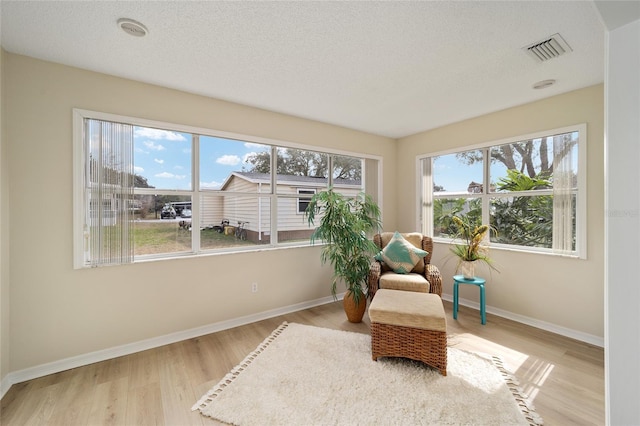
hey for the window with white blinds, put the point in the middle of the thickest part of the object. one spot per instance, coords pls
(152, 190)
(107, 184)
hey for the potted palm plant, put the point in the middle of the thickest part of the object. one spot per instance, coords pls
(344, 225)
(473, 247)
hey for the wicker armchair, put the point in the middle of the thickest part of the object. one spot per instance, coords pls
(425, 277)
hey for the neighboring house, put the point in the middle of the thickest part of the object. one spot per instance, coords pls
(296, 192)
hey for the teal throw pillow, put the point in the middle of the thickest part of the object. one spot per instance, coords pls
(400, 255)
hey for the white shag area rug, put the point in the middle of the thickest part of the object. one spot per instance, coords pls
(305, 375)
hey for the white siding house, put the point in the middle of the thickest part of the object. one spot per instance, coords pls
(235, 201)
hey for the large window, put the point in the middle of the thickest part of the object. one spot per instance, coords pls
(148, 190)
(531, 190)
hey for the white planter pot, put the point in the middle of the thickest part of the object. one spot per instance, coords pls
(468, 269)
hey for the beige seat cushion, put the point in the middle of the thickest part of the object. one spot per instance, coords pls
(408, 282)
(408, 309)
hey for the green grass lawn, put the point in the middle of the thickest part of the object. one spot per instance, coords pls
(168, 237)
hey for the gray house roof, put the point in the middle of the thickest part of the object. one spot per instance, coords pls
(309, 181)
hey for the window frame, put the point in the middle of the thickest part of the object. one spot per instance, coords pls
(424, 213)
(80, 238)
(306, 200)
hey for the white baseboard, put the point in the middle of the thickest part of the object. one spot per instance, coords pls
(130, 348)
(563, 331)
(5, 385)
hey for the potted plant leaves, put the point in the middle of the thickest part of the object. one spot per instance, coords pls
(344, 226)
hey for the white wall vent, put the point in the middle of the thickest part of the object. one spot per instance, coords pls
(549, 48)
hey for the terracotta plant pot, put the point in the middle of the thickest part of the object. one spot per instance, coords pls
(354, 312)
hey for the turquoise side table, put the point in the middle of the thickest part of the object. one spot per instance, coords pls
(459, 279)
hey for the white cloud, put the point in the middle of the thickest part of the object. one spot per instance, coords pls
(211, 185)
(440, 166)
(157, 134)
(159, 161)
(228, 160)
(138, 169)
(167, 175)
(251, 145)
(153, 146)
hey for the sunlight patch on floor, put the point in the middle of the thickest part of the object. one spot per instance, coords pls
(531, 374)
(513, 359)
(539, 372)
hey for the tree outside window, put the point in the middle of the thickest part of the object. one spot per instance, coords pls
(527, 190)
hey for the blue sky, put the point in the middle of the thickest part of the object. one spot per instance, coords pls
(454, 175)
(164, 158)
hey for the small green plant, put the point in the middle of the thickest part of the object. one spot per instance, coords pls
(473, 246)
(345, 223)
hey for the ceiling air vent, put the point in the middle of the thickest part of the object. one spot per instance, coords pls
(549, 48)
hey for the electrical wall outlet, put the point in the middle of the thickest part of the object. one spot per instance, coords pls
(254, 287)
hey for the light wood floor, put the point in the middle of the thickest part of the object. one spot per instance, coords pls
(564, 377)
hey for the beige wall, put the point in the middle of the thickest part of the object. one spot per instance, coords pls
(561, 291)
(4, 241)
(58, 312)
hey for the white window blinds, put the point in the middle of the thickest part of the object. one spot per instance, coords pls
(108, 192)
(563, 194)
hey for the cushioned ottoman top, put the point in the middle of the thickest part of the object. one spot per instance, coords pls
(408, 309)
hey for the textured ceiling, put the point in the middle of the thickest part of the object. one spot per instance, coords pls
(388, 68)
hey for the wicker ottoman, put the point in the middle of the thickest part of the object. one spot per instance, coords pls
(409, 325)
